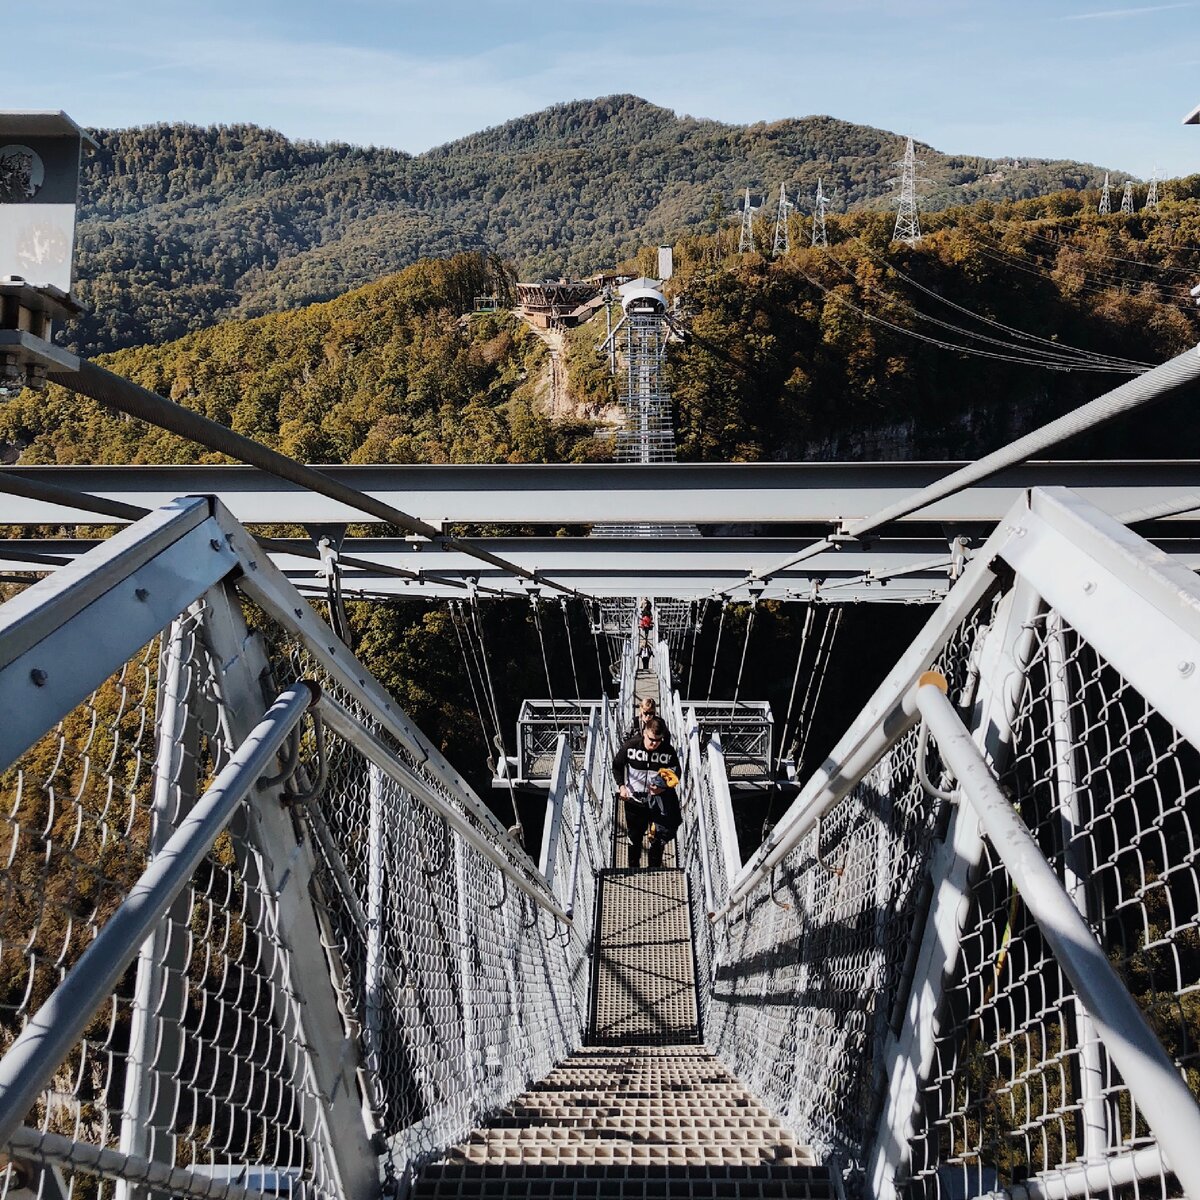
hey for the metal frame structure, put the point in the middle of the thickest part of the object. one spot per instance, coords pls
(297, 887)
(875, 842)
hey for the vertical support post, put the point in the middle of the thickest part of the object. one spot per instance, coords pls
(1004, 659)
(883, 894)
(323, 1059)
(1090, 1068)
(374, 961)
(693, 781)
(160, 987)
(731, 851)
(555, 797)
(466, 979)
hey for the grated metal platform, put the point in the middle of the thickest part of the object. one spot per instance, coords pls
(630, 1122)
(644, 985)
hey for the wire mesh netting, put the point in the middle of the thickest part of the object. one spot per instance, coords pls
(1022, 1085)
(465, 989)
(803, 974)
(194, 1062)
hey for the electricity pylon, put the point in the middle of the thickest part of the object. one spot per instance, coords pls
(746, 237)
(820, 203)
(1152, 191)
(1105, 198)
(908, 223)
(1127, 197)
(783, 242)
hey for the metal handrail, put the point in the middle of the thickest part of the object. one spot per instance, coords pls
(47, 1039)
(1160, 1092)
(368, 743)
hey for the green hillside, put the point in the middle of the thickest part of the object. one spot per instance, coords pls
(181, 226)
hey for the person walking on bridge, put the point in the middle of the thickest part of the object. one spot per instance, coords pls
(649, 796)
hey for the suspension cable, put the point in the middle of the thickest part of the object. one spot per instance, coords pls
(697, 612)
(821, 671)
(737, 687)
(802, 716)
(570, 646)
(517, 830)
(810, 610)
(597, 624)
(115, 391)
(537, 622)
(716, 650)
(456, 619)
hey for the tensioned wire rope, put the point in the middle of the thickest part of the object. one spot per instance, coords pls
(1029, 356)
(1096, 281)
(737, 687)
(1064, 350)
(698, 613)
(456, 619)
(822, 669)
(790, 711)
(944, 345)
(1064, 243)
(115, 391)
(716, 650)
(570, 647)
(518, 830)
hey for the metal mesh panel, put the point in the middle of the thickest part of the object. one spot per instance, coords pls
(464, 988)
(801, 977)
(194, 1061)
(1021, 1084)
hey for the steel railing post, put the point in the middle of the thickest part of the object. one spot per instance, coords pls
(1161, 1093)
(57, 1025)
(160, 989)
(1090, 1068)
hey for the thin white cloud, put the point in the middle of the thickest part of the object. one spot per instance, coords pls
(1108, 14)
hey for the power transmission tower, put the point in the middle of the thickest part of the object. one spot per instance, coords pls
(1127, 197)
(783, 242)
(746, 237)
(908, 223)
(1105, 198)
(820, 203)
(1152, 191)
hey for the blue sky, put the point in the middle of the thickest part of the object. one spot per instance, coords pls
(1103, 82)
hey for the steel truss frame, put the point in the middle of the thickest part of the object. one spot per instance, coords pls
(566, 494)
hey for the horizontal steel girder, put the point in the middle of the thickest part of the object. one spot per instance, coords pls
(897, 569)
(581, 494)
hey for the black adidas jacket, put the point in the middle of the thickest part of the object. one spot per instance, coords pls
(633, 763)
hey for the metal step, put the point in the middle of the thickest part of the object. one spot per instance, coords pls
(630, 1121)
(644, 984)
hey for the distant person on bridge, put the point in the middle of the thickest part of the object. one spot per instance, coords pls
(650, 796)
(645, 625)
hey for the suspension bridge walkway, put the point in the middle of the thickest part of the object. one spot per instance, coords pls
(260, 939)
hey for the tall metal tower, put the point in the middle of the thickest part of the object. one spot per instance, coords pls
(1152, 191)
(908, 223)
(1105, 198)
(1127, 197)
(783, 242)
(648, 434)
(820, 204)
(746, 237)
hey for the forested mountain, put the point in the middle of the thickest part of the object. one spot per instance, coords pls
(819, 353)
(181, 226)
(386, 373)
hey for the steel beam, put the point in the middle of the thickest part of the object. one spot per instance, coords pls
(563, 494)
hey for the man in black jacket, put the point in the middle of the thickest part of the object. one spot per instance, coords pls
(636, 766)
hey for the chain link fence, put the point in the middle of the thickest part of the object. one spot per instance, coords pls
(803, 974)
(1022, 1086)
(191, 1064)
(457, 981)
